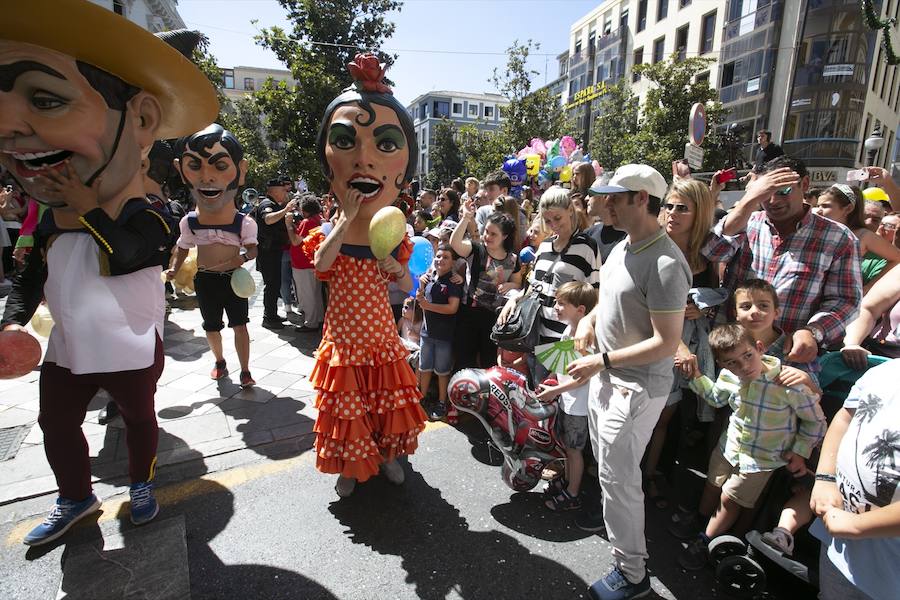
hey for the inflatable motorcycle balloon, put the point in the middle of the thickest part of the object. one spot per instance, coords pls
(519, 425)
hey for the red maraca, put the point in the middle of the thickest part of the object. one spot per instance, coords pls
(20, 353)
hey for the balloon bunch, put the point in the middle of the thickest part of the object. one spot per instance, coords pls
(552, 161)
(386, 231)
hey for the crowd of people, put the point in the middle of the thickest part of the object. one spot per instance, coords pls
(696, 327)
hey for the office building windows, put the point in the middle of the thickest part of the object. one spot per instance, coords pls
(473, 111)
(441, 109)
(681, 40)
(638, 59)
(659, 46)
(707, 32)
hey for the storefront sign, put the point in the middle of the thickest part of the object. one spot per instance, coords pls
(834, 70)
(694, 155)
(591, 92)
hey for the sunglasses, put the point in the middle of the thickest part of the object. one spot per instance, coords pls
(784, 191)
(679, 208)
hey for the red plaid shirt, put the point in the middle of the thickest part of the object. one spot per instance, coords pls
(815, 269)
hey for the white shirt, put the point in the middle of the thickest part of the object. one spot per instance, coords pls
(102, 324)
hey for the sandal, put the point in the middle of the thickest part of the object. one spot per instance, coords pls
(653, 494)
(563, 501)
(555, 486)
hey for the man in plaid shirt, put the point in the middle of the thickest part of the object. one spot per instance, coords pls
(812, 262)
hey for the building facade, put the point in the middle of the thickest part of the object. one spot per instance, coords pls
(152, 15)
(461, 108)
(815, 75)
(606, 43)
(238, 82)
(808, 70)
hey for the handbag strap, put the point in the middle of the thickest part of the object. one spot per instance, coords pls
(549, 272)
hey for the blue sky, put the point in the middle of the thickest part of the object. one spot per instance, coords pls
(429, 38)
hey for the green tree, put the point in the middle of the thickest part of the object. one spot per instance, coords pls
(292, 116)
(613, 132)
(529, 114)
(657, 133)
(445, 155)
(482, 151)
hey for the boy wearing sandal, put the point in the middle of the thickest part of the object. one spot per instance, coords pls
(211, 163)
(574, 299)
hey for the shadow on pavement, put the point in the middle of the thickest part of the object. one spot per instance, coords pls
(438, 550)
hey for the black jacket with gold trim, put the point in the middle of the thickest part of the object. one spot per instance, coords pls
(135, 240)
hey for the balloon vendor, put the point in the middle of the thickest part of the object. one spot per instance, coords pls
(212, 165)
(367, 394)
(79, 108)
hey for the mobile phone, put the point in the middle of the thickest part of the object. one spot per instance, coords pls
(726, 175)
(857, 175)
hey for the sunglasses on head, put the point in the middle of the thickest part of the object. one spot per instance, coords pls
(680, 208)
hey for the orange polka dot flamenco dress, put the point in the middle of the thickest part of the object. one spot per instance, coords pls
(368, 396)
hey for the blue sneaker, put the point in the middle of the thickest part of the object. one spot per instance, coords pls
(616, 587)
(65, 514)
(143, 505)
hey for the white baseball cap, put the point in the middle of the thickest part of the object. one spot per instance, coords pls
(633, 178)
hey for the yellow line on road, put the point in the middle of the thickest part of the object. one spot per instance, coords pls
(115, 508)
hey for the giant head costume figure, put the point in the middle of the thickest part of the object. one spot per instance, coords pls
(83, 90)
(212, 165)
(367, 141)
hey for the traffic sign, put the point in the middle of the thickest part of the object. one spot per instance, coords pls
(697, 124)
(694, 155)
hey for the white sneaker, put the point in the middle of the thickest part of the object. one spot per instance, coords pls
(394, 472)
(344, 486)
(780, 539)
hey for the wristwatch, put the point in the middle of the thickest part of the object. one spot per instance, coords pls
(816, 332)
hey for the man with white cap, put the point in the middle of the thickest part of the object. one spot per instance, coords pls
(633, 333)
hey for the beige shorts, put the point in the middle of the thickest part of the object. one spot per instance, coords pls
(743, 488)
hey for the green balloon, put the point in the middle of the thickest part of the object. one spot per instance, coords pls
(242, 283)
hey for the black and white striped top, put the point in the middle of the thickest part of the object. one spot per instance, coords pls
(581, 262)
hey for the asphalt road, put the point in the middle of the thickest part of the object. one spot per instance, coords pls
(273, 528)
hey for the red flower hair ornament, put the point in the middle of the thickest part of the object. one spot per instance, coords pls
(369, 73)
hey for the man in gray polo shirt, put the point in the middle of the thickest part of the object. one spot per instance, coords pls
(633, 332)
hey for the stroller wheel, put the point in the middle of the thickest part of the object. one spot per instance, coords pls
(741, 577)
(724, 546)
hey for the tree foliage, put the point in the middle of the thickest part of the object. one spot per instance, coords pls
(446, 157)
(657, 134)
(292, 116)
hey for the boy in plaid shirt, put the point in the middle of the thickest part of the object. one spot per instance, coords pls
(776, 421)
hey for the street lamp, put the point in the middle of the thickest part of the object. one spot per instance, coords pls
(872, 145)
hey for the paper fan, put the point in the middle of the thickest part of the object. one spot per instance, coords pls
(556, 356)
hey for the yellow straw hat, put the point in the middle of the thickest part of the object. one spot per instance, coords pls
(99, 37)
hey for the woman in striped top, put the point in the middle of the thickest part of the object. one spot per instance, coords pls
(566, 255)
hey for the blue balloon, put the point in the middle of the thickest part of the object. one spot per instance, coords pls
(422, 255)
(558, 162)
(415, 288)
(326, 228)
(526, 255)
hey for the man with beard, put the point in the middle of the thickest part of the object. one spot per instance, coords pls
(273, 243)
(84, 93)
(211, 163)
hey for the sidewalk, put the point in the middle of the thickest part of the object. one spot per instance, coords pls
(198, 417)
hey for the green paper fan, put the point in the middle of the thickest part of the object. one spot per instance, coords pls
(556, 356)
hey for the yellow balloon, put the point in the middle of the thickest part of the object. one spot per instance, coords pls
(42, 321)
(242, 283)
(565, 176)
(386, 230)
(532, 164)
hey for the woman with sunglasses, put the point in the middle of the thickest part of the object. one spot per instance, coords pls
(845, 205)
(687, 216)
(447, 205)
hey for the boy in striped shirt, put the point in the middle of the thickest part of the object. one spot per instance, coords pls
(776, 421)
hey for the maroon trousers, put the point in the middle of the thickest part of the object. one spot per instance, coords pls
(64, 400)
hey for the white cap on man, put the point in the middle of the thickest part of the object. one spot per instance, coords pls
(632, 178)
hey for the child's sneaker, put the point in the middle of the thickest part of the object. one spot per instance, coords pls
(144, 507)
(64, 514)
(780, 539)
(219, 370)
